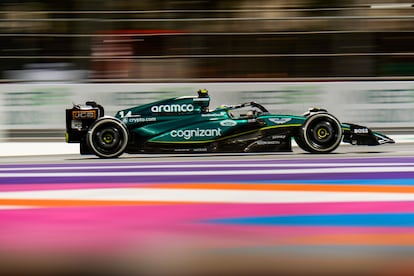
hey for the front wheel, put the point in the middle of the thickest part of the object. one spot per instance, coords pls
(107, 138)
(321, 133)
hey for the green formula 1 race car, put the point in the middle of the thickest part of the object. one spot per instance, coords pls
(185, 124)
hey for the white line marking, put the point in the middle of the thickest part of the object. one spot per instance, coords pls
(14, 207)
(188, 166)
(214, 196)
(375, 169)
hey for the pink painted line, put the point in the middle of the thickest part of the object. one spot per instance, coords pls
(116, 228)
(198, 212)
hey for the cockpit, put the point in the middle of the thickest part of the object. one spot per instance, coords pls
(249, 110)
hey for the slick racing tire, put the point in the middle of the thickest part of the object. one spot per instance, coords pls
(107, 137)
(321, 133)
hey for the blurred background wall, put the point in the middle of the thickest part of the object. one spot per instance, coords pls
(170, 40)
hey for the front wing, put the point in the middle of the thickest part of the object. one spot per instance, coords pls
(361, 135)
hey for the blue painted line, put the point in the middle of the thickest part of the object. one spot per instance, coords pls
(340, 250)
(346, 220)
(374, 182)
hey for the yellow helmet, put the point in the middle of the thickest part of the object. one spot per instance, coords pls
(202, 92)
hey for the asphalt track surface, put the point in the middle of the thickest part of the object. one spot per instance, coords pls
(349, 212)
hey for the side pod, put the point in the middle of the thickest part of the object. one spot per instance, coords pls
(361, 135)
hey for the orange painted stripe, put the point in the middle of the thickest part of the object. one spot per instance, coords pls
(385, 239)
(286, 187)
(80, 203)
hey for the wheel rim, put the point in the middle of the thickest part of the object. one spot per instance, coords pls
(108, 139)
(323, 133)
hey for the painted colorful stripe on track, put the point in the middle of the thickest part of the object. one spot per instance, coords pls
(211, 204)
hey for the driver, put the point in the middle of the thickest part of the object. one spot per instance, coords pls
(202, 93)
(203, 100)
(251, 114)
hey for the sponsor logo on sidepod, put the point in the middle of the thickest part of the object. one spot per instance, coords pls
(190, 133)
(173, 108)
(279, 121)
(228, 123)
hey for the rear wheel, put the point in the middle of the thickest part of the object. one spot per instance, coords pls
(108, 138)
(321, 133)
